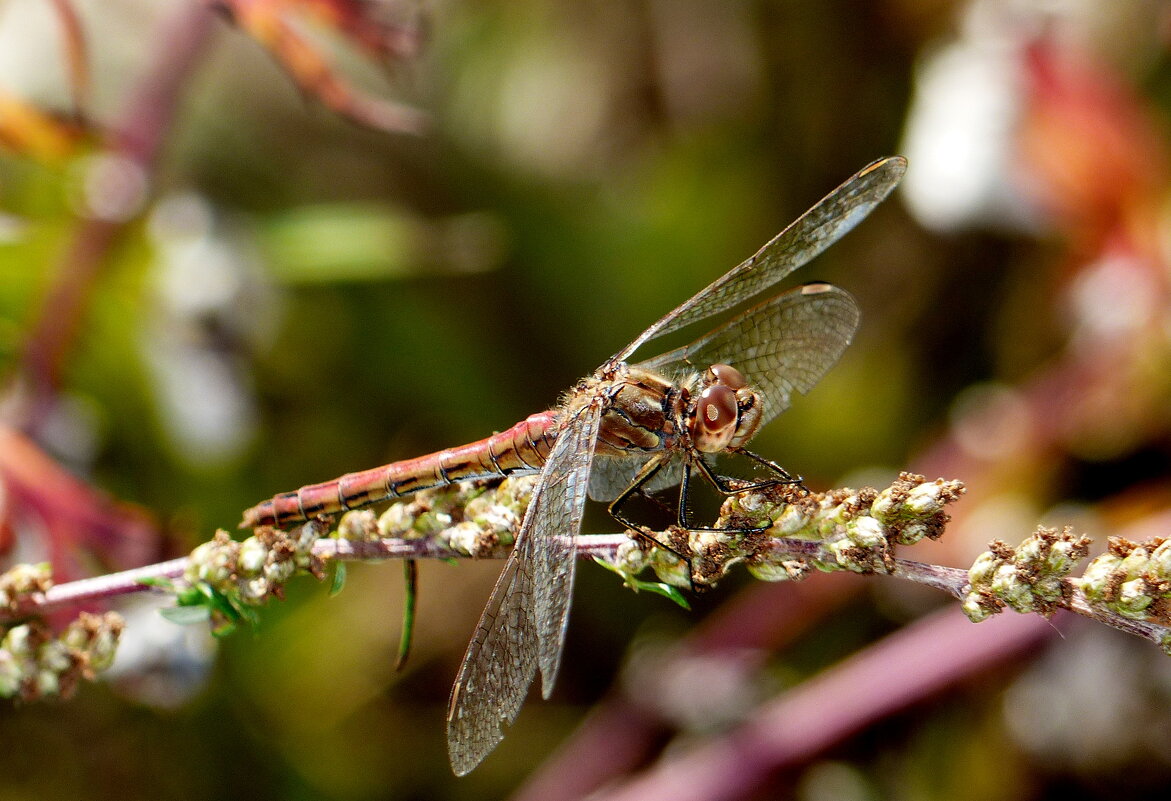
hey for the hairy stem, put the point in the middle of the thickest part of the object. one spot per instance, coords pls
(952, 580)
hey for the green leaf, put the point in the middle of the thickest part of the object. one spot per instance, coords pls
(186, 615)
(339, 578)
(638, 585)
(244, 612)
(160, 582)
(411, 587)
(231, 610)
(217, 601)
(666, 590)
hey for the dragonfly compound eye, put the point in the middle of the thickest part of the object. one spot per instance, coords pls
(718, 409)
(749, 416)
(727, 375)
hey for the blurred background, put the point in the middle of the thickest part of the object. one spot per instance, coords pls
(253, 247)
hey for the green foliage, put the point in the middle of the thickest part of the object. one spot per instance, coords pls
(668, 591)
(337, 581)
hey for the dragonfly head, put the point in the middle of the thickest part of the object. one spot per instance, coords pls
(727, 413)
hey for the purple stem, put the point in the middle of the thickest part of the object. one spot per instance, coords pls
(947, 579)
(908, 666)
(111, 585)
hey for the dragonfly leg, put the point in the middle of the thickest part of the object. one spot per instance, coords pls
(783, 476)
(682, 511)
(644, 475)
(724, 486)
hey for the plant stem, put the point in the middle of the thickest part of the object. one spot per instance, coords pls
(133, 145)
(951, 580)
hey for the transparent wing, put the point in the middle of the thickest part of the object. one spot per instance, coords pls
(497, 670)
(613, 474)
(523, 625)
(808, 236)
(554, 519)
(786, 343)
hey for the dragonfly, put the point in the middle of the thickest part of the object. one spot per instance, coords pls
(624, 429)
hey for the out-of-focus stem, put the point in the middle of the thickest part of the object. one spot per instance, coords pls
(137, 138)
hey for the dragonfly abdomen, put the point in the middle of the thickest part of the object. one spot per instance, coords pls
(520, 449)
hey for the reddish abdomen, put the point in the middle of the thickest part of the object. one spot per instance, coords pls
(521, 449)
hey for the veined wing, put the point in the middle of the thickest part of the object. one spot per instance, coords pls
(497, 670)
(786, 343)
(612, 475)
(553, 520)
(523, 625)
(808, 236)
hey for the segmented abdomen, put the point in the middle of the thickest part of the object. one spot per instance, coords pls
(518, 450)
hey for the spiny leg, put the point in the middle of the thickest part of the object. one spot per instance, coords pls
(645, 474)
(722, 483)
(783, 475)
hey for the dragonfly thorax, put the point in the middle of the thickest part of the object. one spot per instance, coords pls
(642, 414)
(726, 413)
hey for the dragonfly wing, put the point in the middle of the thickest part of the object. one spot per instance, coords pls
(808, 236)
(613, 474)
(523, 625)
(553, 519)
(497, 670)
(783, 345)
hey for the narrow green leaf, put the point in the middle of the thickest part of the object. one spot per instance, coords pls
(244, 612)
(339, 578)
(218, 602)
(638, 585)
(186, 615)
(610, 567)
(666, 590)
(411, 582)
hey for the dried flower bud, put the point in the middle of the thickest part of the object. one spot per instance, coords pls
(252, 556)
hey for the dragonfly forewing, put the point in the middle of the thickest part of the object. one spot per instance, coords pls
(553, 520)
(523, 625)
(814, 231)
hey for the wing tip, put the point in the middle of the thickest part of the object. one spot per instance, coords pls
(549, 677)
(892, 162)
(817, 288)
(894, 167)
(465, 753)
